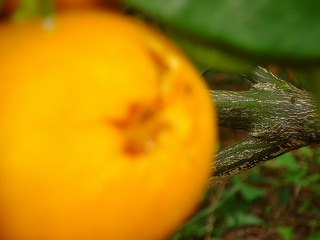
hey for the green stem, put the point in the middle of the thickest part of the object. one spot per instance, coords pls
(278, 116)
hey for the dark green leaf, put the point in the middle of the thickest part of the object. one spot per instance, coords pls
(211, 57)
(287, 30)
(314, 236)
(284, 194)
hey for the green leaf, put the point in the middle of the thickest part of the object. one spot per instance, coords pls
(306, 152)
(296, 176)
(284, 194)
(251, 193)
(310, 179)
(230, 192)
(285, 232)
(211, 57)
(286, 30)
(314, 236)
(243, 219)
(287, 161)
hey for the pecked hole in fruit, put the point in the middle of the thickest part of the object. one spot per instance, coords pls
(162, 65)
(140, 128)
(166, 65)
(143, 124)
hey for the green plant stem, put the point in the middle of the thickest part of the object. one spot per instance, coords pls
(278, 116)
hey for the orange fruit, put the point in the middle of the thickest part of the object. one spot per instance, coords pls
(106, 130)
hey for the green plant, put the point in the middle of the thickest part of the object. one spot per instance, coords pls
(256, 197)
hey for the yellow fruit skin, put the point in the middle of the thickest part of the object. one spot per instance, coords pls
(106, 130)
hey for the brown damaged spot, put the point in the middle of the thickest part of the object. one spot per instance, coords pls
(188, 89)
(140, 128)
(143, 124)
(162, 66)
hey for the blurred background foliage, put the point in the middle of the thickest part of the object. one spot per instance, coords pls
(279, 200)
